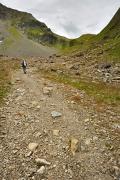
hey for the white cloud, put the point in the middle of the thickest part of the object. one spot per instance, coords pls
(69, 18)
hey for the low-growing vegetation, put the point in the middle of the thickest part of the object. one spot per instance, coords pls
(6, 69)
(101, 92)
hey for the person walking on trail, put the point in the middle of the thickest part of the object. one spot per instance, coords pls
(24, 66)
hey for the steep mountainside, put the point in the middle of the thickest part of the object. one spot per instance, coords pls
(16, 25)
(107, 40)
(34, 29)
(93, 65)
(22, 35)
(112, 30)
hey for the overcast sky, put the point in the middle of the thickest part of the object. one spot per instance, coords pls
(70, 18)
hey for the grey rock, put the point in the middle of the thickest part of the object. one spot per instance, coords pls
(74, 143)
(41, 170)
(29, 154)
(32, 146)
(88, 141)
(41, 162)
(47, 90)
(87, 120)
(56, 132)
(38, 134)
(3, 116)
(56, 114)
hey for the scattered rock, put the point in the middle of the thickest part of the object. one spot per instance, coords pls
(38, 134)
(38, 107)
(56, 132)
(105, 66)
(29, 154)
(74, 145)
(116, 78)
(15, 151)
(95, 138)
(34, 103)
(32, 172)
(41, 170)
(47, 90)
(87, 120)
(32, 146)
(53, 69)
(88, 141)
(3, 116)
(18, 79)
(56, 114)
(116, 126)
(41, 162)
(74, 67)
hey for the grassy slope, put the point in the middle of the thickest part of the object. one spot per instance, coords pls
(108, 40)
(33, 29)
(80, 44)
(17, 44)
(6, 67)
(40, 33)
(21, 37)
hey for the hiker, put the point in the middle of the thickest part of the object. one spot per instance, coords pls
(24, 66)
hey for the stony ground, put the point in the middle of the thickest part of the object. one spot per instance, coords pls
(45, 135)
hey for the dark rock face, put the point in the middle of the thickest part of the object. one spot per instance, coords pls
(31, 23)
(8, 13)
(49, 37)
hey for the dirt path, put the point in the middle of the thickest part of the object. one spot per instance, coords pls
(26, 118)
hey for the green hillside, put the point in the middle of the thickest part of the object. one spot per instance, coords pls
(34, 29)
(22, 35)
(16, 44)
(107, 40)
(17, 27)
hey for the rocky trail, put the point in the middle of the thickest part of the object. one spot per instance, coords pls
(45, 136)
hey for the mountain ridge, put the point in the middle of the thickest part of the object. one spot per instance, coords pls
(38, 32)
(31, 28)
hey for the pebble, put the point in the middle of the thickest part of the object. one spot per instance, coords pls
(116, 171)
(38, 107)
(88, 141)
(95, 138)
(28, 154)
(32, 146)
(74, 145)
(41, 170)
(56, 114)
(87, 120)
(15, 151)
(47, 90)
(41, 162)
(38, 134)
(3, 116)
(56, 132)
(34, 103)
